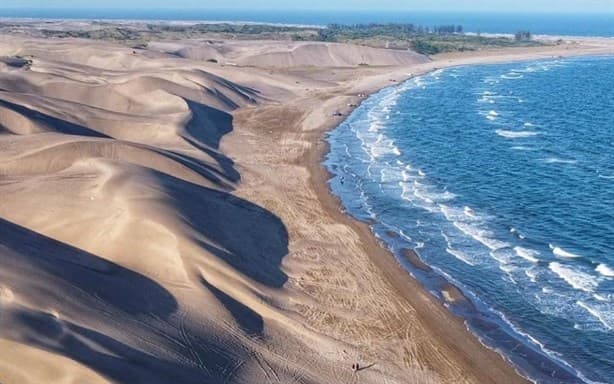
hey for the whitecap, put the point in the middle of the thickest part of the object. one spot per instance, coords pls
(468, 212)
(556, 160)
(390, 174)
(383, 146)
(527, 254)
(599, 297)
(522, 148)
(460, 256)
(603, 318)
(515, 134)
(558, 251)
(577, 279)
(531, 274)
(605, 270)
(452, 213)
(480, 235)
(512, 76)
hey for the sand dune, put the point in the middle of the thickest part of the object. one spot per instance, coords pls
(164, 219)
(114, 204)
(277, 54)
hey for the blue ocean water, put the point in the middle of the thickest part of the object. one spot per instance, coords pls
(576, 24)
(501, 178)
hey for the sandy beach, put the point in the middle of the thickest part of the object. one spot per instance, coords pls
(166, 218)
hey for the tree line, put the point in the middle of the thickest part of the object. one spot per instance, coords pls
(333, 32)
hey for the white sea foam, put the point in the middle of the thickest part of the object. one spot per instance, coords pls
(515, 232)
(493, 113)
(605, 270)
(607, 319)
(451, 213)
(460, 256)
(502, 255)
(556, 160)
(607, 298)
(404, 235)
(528, 124)
(468, 212)
(527, 254)
(515, 134)
(522, 148)
(531, 274)
(383, 146)
(480, 235)
(512, 76)
(577, 279)
(558, 251)
(390, 174)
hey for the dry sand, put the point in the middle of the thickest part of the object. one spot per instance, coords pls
(166, 219)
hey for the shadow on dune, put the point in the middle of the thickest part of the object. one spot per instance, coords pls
(113, 320)
(247, 237)
(248, 320)
(207, 125)
(125, 290)
(120, 323)
(58, 125)
(205, 131)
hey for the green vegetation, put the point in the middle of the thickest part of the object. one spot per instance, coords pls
(422, 39)
(425, 40)
(523, 36)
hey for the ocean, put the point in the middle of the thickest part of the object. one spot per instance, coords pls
(575, 24)
(501, 178)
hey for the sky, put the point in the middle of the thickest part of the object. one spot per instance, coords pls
(434, 5)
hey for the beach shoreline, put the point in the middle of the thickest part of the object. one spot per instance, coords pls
(203, 186)
(387, 262)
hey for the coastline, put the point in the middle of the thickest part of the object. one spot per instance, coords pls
(188, 199)
(441, 322)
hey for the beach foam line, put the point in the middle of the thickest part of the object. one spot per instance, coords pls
(577, 279)
(515, 134)
(558, 251)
